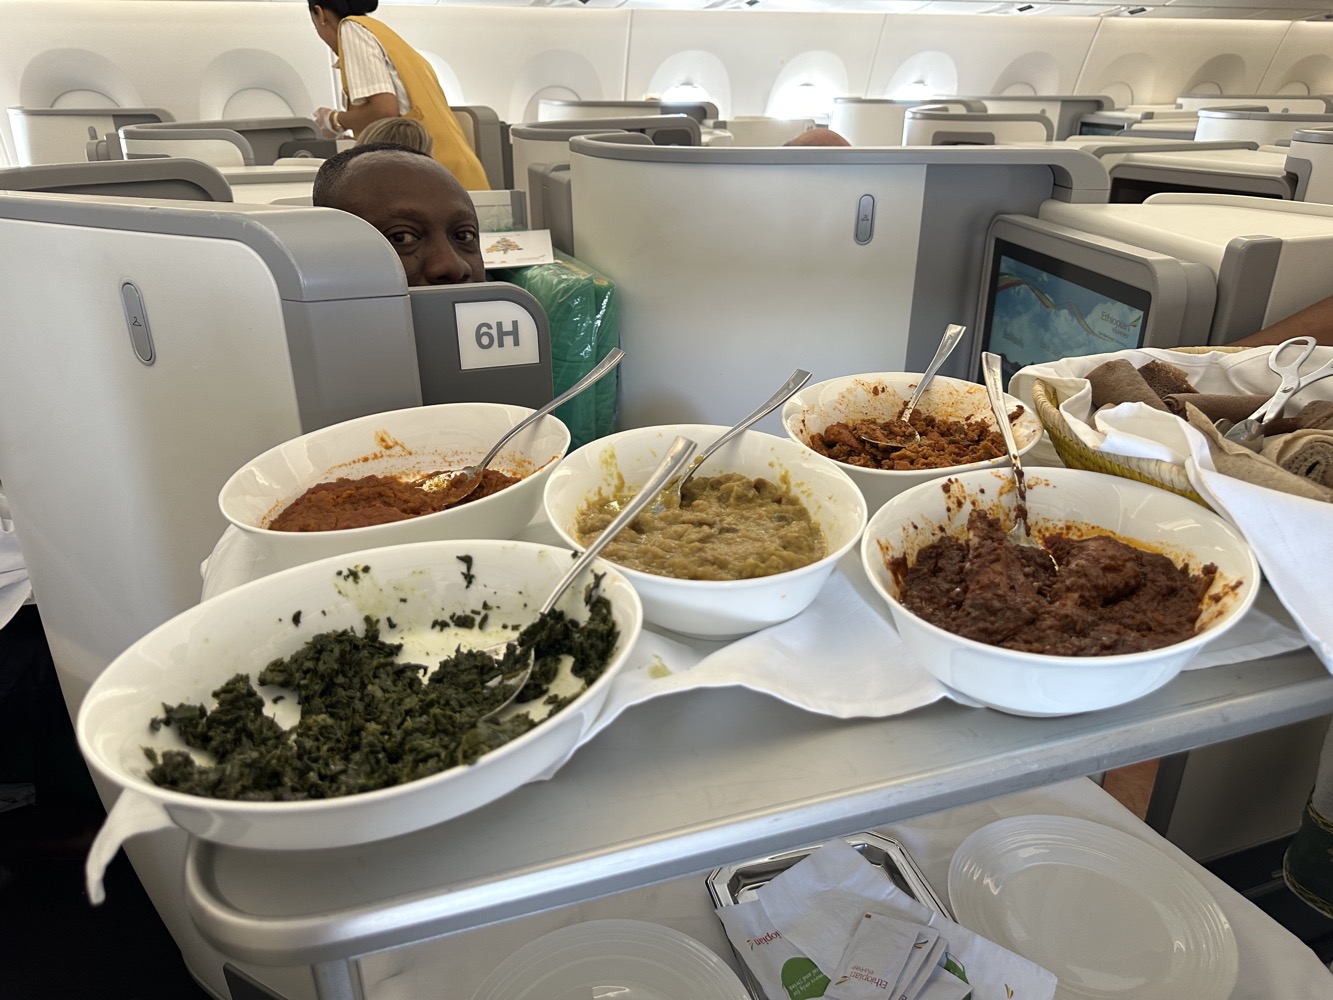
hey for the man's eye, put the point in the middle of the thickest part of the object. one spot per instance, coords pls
(466, 236)
(402, 240)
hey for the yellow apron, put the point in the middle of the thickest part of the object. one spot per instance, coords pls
(428, 105)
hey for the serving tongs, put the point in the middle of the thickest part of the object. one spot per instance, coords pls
(899, 433)
(676, 456)
(1021, 532)
(1250, 431)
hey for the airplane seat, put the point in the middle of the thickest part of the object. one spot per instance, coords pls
(170, 178)
(550, 109)
(61, 135)
(1164, 128)
(226, 142)
(865, 121)
(1280, 103)
(930, 125)
(1310, 161)
(760, 130)
(486, 134)
(1065, 111)
(536, 143)
(718, 304)
(1261, 126)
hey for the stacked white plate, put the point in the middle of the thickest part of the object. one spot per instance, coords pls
(624, 959)
(1107, 913)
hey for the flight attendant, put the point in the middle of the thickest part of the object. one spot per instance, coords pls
(384, 77)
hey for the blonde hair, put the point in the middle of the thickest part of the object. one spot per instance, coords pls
(403, 131)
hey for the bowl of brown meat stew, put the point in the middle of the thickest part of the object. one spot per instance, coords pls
(765, 521)
(841, 418)
(1141, 580)
(375, 480)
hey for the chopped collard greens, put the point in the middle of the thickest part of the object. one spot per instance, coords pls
(367, 720)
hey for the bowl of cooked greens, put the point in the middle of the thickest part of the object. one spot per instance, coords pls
(327, 705)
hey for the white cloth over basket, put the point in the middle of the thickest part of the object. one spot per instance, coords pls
(1292, 537)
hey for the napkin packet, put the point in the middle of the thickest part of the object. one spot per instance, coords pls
(833, 925)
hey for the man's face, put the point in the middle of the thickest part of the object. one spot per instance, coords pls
(424, 213)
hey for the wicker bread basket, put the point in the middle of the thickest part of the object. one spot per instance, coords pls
(1075, 454)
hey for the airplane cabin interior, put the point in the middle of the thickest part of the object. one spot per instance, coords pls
(731, 189)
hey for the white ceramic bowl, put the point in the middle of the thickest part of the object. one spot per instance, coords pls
(881, 395)
(243, 629)
(1030, 683)
(414, 441)
(714, 609)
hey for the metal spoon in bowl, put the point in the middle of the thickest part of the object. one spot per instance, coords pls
(460, 483)
(899, 432)
(676, 456)
(798, 378)
(1020, 533)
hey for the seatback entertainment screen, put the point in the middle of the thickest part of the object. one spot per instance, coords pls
(1041, 309)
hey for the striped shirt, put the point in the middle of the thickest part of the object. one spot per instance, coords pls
(369, 70)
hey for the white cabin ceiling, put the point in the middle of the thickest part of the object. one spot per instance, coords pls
(1285, 10)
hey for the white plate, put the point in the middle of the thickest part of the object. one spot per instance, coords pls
(1104, 911)
(624, 959)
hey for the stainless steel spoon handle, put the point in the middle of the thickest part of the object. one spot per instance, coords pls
(798, 378)
(953, 333)
(676, 456)
(990, 371)
(601, 368)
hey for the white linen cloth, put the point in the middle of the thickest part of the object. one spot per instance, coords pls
(1273, 962)
(1292, 537)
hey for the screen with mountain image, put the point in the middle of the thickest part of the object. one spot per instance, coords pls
(1041, 309)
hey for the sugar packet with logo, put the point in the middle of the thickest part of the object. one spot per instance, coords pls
(781, 970)
(816, 904)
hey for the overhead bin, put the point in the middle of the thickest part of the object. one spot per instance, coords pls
(736, 265)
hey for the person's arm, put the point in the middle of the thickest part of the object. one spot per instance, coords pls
(1313, 321)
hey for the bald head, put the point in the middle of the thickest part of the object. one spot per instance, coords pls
(415, 202)
(817, 137)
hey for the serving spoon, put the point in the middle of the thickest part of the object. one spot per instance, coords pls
(676, 456)
(1021, 532)
(797, 379)
(459, 484)
(899, 432)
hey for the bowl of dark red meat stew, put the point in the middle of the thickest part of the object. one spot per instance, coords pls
(1134, 582)
(843, 419)
(387, 479)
